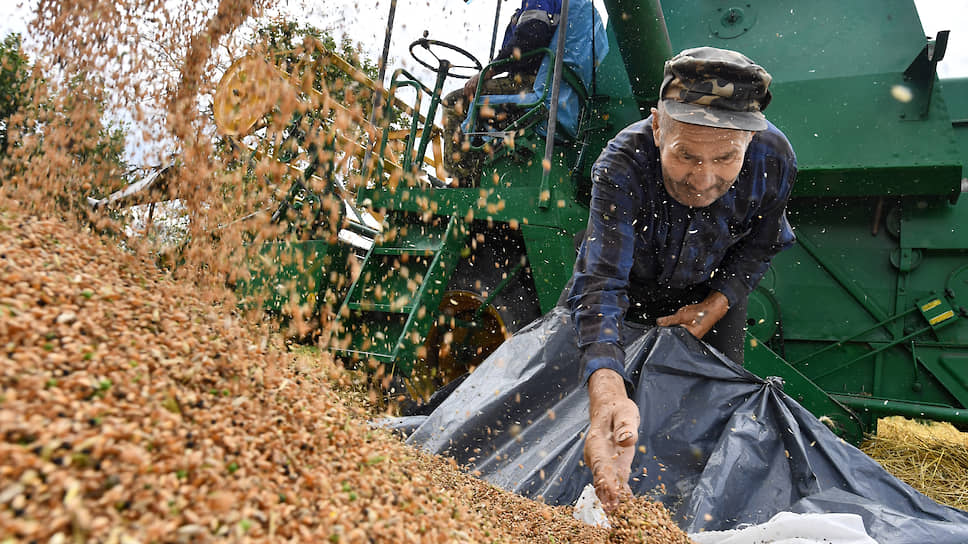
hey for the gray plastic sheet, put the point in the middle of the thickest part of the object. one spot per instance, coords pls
(719, 446)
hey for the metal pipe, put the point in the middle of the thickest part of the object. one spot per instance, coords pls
(886, 407)
(382, 71)
(843, 341)
(386, 44)
(442, 71)
(497, 18)
(544, 196)
(643, 40)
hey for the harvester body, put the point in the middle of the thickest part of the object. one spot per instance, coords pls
(865, 317)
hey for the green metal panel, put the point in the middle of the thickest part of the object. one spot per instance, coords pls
(849, 300)
(285, 275)
(956, 94)
(611, 79)
(845, 257)
(935, 225)
(804, 40)
(643, 41)
(551, 253)
(855, 142)
(392, 304)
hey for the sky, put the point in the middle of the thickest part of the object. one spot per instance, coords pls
(470, 26)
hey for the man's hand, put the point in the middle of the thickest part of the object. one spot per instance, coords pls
(612, 434)
(471, 87)
(698, 319)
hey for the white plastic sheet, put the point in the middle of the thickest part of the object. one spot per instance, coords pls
(791, 528)
(720, 447)
(589, 509)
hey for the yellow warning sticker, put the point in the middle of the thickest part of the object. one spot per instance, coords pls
(939, 318)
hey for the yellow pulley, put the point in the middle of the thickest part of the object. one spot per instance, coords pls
(248, 90)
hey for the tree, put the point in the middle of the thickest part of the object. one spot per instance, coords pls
(14, 77)
(55, 147)
(280, 38)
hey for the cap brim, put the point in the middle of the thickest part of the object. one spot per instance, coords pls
(695, 114)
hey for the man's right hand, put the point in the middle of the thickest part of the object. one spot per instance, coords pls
(470, 87)
(612, 435)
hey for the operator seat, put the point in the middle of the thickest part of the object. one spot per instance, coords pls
(586, 45)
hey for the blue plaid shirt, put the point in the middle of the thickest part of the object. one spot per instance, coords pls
(640, 236)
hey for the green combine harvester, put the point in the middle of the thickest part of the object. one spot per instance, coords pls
(864, 318)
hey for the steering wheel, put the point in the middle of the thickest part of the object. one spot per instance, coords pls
(444, 63)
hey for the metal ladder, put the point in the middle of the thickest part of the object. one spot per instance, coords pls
(390, 307)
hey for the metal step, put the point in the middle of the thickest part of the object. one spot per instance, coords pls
(389, 309)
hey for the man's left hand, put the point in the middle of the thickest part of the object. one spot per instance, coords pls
(699, 318)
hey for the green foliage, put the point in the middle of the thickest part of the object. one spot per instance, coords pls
(286, 39)
(98, 148)
(14, 75)
(41, 125)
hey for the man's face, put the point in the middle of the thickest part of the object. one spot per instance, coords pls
(699, 163)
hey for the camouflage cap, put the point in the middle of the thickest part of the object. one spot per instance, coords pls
(716, 88)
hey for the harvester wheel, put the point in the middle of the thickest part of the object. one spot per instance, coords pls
(465, 332)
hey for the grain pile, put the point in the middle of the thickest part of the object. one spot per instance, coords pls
(135, 409)
(931, 457)
(139, 407)
(638, 520)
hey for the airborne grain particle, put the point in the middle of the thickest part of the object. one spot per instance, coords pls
(140, 400)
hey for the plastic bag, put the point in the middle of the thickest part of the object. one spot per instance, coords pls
(791, 528)
(718, 446)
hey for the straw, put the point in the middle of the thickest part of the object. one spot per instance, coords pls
(930, 456)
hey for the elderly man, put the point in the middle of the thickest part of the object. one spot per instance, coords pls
(688, 208)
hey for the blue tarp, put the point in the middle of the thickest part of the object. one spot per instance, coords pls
(719, 446)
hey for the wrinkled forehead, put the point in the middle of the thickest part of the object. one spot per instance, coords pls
(700, 136)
